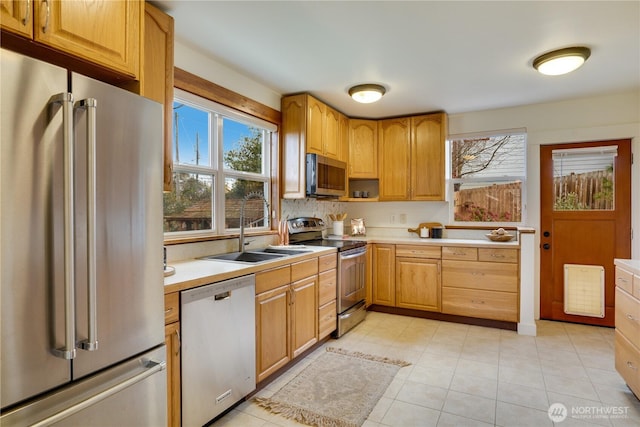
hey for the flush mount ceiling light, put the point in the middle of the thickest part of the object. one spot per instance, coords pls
(561, 61)
(367, 93)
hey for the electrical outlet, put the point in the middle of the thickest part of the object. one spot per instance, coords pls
(403, 218)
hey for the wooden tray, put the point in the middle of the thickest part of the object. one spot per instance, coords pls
(429, 225)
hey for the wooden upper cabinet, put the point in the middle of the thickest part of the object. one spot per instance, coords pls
(394, 158)
(320, 124)
(331, 135)
(315, 125)
(363, 149)
(17, 16)
(293, 134)
(156, 75)
(428, 134)
(412, 157)
(103, 32)
(343, 139)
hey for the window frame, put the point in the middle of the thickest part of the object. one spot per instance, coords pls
(486, 180)
(238, 108)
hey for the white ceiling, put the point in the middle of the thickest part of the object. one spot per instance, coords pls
(450, 55)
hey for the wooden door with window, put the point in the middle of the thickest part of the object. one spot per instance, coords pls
(585, 203)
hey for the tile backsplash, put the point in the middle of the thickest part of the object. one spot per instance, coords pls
(316, 208)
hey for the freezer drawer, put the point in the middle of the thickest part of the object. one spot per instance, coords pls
(132, 393)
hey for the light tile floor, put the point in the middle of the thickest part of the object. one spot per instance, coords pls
(465, 375)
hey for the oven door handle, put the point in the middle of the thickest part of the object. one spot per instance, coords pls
(356, 255)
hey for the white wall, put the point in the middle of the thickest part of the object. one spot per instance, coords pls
(194, 62)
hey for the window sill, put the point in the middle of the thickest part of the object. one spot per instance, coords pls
(213, 237)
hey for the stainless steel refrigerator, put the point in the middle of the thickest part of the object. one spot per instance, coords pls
(81, 241)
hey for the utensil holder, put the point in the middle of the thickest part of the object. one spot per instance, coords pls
(338, 228)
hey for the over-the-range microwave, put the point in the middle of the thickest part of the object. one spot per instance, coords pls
(325, 177)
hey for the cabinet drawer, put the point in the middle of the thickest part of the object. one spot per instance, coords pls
(171, 308)
(491, 276)
(327, 262)
(624, 279)
(453, 252)
(271, 279)
(327, 286)
(628, 362)
(498, 255)
(327, 319)
(482, 304)
(303, 269)
(416, 251)
(628, 316)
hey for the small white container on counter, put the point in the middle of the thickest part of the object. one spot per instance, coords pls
(424, 232)
(338, 228)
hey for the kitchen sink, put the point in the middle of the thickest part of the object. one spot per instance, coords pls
(282, 251)
(248, 256)
(256, 255)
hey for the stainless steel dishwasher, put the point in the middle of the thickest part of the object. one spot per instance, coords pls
(218, 348)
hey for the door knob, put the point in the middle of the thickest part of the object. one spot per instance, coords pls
(546, 246)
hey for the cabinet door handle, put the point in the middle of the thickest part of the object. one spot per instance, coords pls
(630, 317)
(620, 279)
(477, 301)
(178, 342)
(46, 16)
(494, 255)
(168, 310)
(630, 365)
(27, 13)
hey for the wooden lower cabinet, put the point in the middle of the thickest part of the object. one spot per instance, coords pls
(327, 293)
(286, 315)
(327, 319)
(406, 276)
(418, 283)
(481, 282)
(172, 341)
(480, 303)
(272, 331)
(628, 362)
(304, 318)
(384, 274)
(627, 336)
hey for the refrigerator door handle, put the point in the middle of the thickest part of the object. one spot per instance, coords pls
(90, 105)
(66, 101)
(151, 367)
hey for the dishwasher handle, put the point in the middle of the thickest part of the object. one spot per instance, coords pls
(222, 296)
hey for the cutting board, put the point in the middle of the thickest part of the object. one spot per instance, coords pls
(429, 225)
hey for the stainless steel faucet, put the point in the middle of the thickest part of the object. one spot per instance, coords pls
(249, 196)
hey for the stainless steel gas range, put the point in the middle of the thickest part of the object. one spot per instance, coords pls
(351, 292)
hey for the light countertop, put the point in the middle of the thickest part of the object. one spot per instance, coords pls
(436, 242)
(632, 265)
(198, 272)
